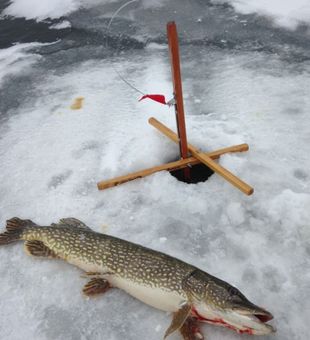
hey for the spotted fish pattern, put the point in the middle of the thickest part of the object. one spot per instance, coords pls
(73, 241)
(155, 278)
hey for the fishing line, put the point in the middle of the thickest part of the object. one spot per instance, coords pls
(107, 31)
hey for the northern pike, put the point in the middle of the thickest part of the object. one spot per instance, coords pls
(157, 279)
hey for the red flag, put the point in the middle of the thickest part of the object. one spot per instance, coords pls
(156, 97)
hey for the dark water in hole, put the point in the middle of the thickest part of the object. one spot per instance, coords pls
(197, 173)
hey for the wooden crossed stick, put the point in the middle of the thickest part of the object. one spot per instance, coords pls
(197, 157)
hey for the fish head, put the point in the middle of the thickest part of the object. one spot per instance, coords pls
(216, 302)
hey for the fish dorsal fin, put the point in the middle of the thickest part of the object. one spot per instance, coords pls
(72, 222)
(179, 318)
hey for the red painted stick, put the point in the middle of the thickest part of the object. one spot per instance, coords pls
(177, 90)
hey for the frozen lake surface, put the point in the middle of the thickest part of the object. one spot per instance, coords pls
(246, 79)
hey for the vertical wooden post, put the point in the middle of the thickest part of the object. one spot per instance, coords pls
(177, 91)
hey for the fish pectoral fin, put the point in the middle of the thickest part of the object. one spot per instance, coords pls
(178, 319)
(96, 286)
(190, 329)
(38, 248)
(72, 222)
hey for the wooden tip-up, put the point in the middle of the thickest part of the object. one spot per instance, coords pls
(168, 167)
(180, 138)
(205, 159)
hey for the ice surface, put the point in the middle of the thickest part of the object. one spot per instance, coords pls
(61, 25)
(51, 158)
(286, 13)
(42, 9)
(15, 60)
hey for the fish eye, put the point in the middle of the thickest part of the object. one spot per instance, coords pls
(233, 291)
(234, 295)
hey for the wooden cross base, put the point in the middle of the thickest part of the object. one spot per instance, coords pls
(197, 157)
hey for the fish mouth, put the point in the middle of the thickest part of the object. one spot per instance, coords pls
(252, 324)
(261, 321)
(263, 317)
(259, 313)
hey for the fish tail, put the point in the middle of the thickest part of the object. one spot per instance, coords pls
(14, 230)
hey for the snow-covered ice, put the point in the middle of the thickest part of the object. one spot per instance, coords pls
(286, 13)
(16, 60)
(61, 25)
(43, 9)
(51, 158)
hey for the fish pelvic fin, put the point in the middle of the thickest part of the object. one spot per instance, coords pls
(14, 230)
